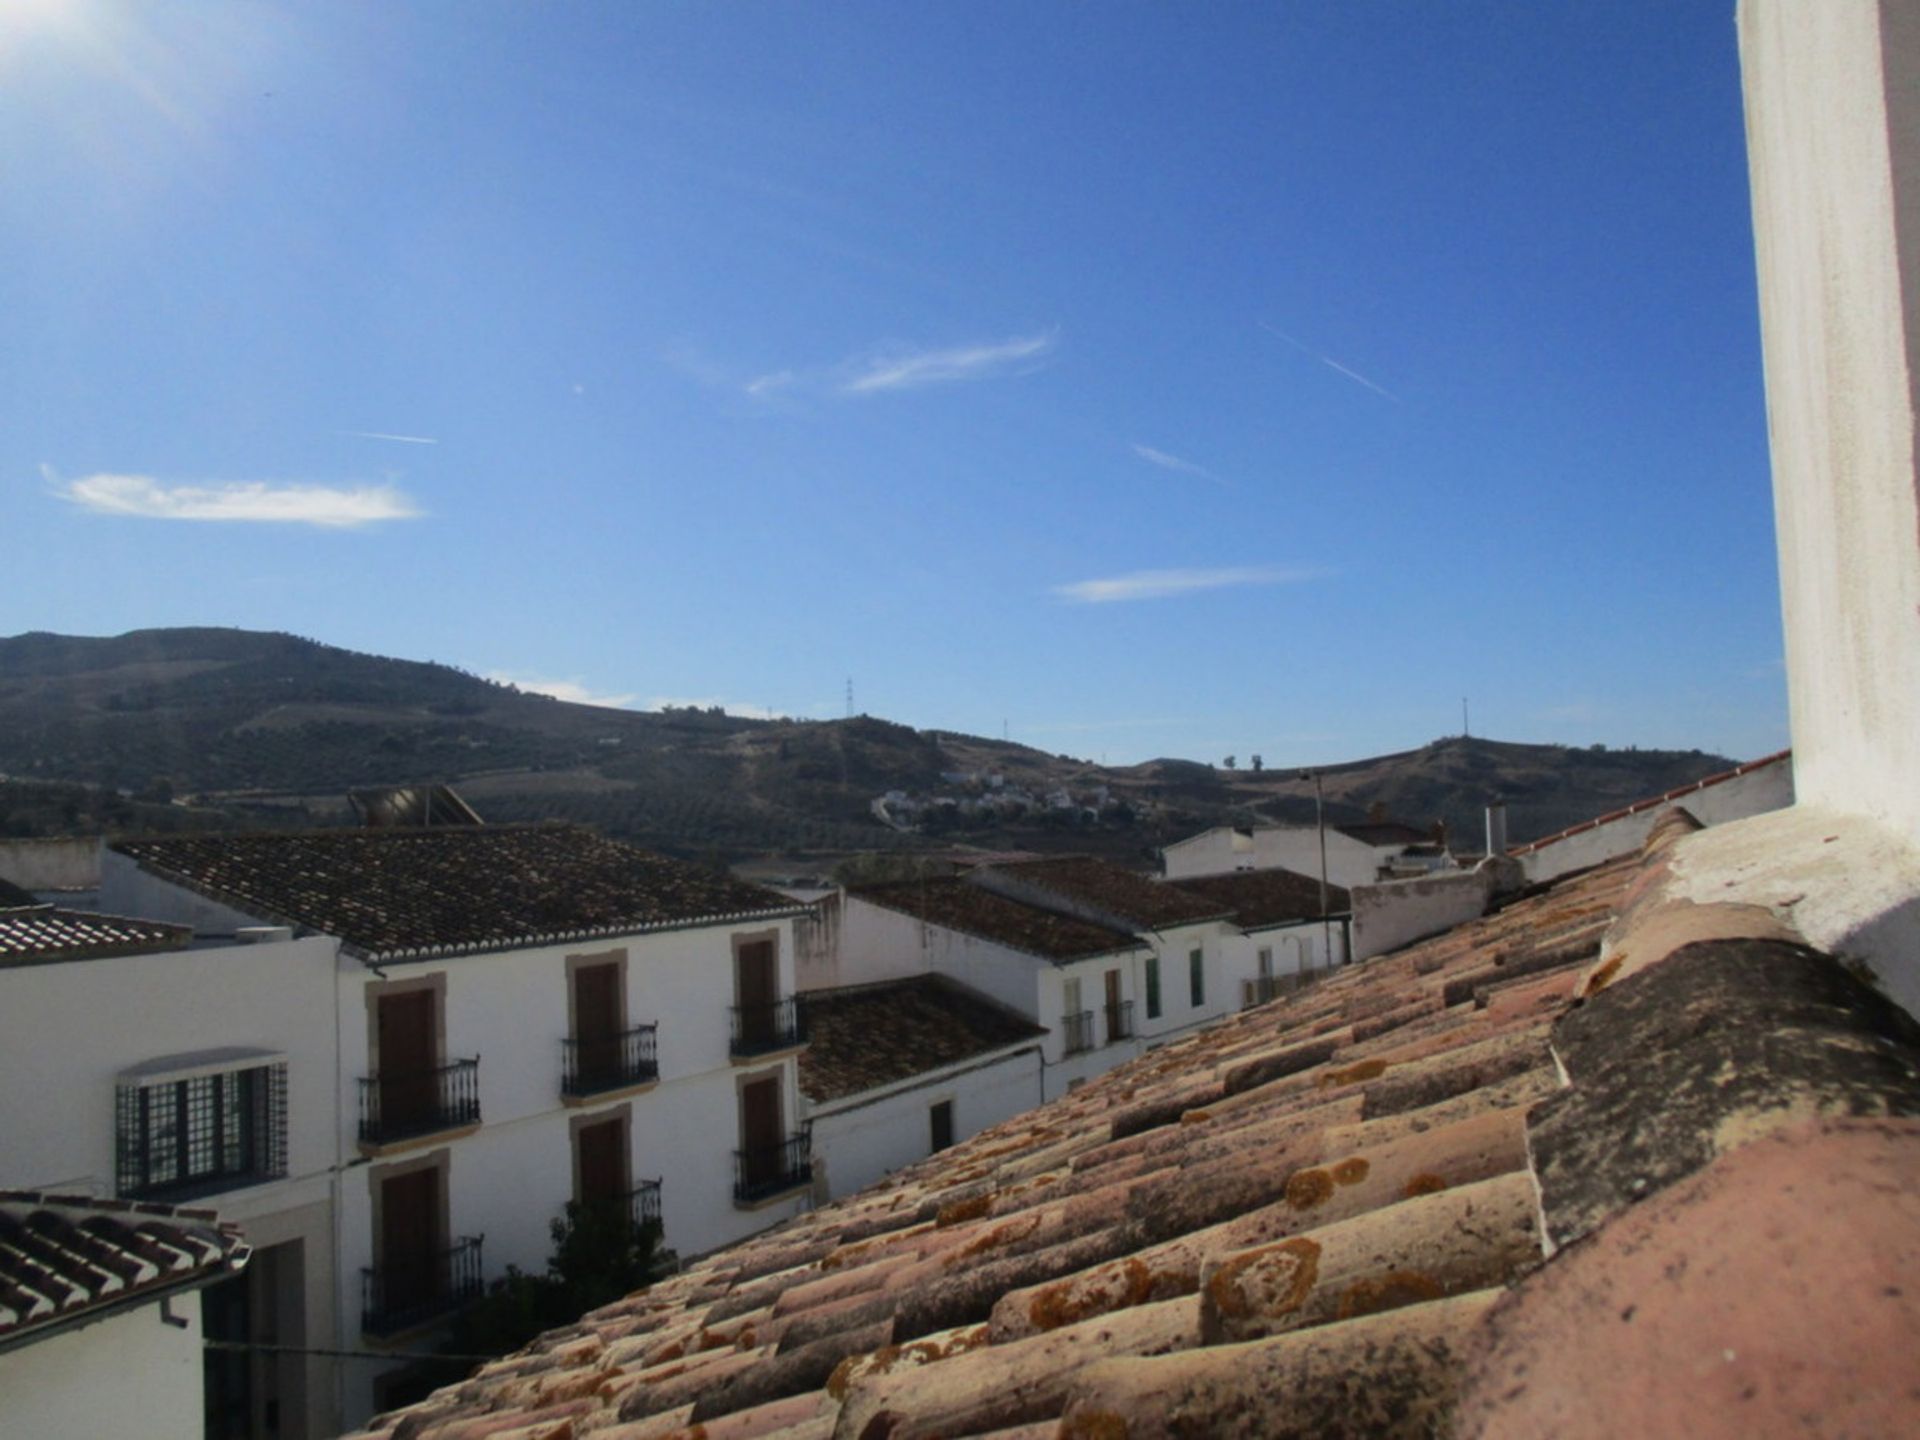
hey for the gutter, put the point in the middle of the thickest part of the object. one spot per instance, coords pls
(122, 1305)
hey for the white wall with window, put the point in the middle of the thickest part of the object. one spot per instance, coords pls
(860, 1138)
(1263, 964)
(193, 1075)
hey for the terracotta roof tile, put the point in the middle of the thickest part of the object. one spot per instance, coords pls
(1259, 898)
(38, 934)
(1302, 1220)
(960, 905)
(1137, 899)
(870, 1035)
(402, 892)
(67, 1258)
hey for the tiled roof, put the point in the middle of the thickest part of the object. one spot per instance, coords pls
(1384, 832)
(1267, 897)
(1329, 1216)
(401, 893)
(961, 905)
(37, 934)
(1138, 899)
(871, 1035)
(66, 1258)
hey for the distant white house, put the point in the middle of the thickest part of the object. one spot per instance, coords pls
(1363, 853)
(1072, 978)
(898, 1070)
(396, 1055)
(101, 1328)
(1280, 937)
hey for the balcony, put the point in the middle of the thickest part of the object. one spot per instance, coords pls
(1264, 988)
(409, 1292)
(769, 1170)
(1120, 1021)
(762, 1029)
(600, 1063)
(643, 1204)
(400, 1105)
(1076, 1032)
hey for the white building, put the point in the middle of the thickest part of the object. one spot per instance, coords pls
(895, 1071)
(1280, 937)
(436, 1041)
(100, 1316)
(1073, 978)
(1356, 854)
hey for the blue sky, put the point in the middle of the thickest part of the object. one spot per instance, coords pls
(1149, 379)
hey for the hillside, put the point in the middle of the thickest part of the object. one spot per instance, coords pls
(159, 728)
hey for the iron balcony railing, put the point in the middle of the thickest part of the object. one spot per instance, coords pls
(609, 1062)
(766, 1170)
(411, 1290)
(1119, 1021)
(643, 1204)
(760, 1028)
(1263, 988)
(1076, 1032)
(398, 1104)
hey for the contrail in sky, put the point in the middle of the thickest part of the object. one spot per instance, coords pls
(1330, 362)
(382, 435)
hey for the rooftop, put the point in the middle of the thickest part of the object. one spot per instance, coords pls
(1126, 894)
(871, 1035)
(1384, 832)
(396, 894)
(67, 1259)
(961, 905)
(1259, 898)
(1487, 1185)
(41, 934)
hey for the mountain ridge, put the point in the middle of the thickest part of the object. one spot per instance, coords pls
(259, 727)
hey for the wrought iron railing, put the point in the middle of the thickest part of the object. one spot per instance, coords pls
(609, 1062)
(1263, 988)
(760, 1028)
(765, 1170)
(1119, 1021)
(407, 1291)
(643, 1203)
(398, 1104)
(1076, 1032)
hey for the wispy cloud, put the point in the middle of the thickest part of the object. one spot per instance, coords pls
(744, 712)
(1330, 362)
(764, 385)
(572, 690)
(383, 435)
(1159, 584)
(910, 369)
(1174, 463)
(258, 501)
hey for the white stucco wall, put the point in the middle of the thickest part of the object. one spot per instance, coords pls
(860, 1138)
(1307, 945)
(56, 864)
(1297, 848)
(1212, 852)
(1398, 912)
(1754, 792)
(76, 1025)
(1833, 141)
(131, 1374)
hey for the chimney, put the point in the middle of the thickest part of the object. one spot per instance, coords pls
(1439, 833)
(1497, 828)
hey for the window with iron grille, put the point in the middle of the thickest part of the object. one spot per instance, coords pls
(202, 1132)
